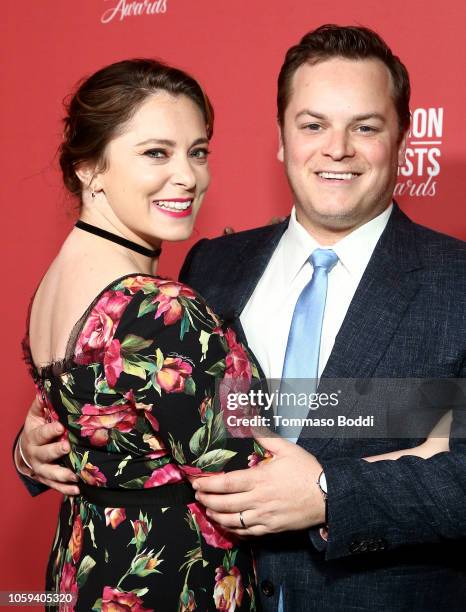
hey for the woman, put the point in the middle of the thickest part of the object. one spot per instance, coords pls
(128, 361)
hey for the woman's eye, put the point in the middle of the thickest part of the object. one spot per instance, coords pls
(156, 153)
(200, 154)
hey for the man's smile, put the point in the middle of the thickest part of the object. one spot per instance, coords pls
(338, 176)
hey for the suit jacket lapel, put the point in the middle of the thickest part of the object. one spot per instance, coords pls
(381, 299)
(243, 273)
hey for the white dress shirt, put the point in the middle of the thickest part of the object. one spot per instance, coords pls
(266, 318)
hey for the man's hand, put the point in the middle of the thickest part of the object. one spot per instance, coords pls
(40, 448)
(279, 494)
(273, 221)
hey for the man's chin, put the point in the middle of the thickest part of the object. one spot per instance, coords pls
(339, 219)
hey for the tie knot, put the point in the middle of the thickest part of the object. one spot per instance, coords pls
(323, 258)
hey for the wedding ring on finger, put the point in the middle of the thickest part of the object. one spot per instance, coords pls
(241, 520)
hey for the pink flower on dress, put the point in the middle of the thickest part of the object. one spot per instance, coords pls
(228, 591)
(48, 410)
(168, 304)
(97, 421)
(191, 470)
(75, 545)
(173, 375)
(146, 408)
(114, 516)
(187, 601)
(92, 475)
(141, 529)
(100, 327)
(213, 534)
(192, 473)
(236, 380)
(237, 362)
(156, 454)
(156, 445)
(114, 600)
(133, 284)
(166, 474)
(113, 362)
(68, 579)
(204, 407)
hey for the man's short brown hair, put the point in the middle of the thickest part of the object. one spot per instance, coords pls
(351, 42)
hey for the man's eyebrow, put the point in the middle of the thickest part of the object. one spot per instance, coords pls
(310, 113)
(366, 116)
(363, 117)
(170, 143)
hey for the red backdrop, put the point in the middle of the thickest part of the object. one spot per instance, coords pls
(235, 49)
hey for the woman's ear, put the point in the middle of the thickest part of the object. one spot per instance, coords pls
(88, 174)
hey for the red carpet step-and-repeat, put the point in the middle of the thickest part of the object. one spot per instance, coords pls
(235, 49)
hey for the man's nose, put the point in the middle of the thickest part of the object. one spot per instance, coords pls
(338, 145)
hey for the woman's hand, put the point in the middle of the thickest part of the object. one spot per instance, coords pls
(40, 449)
(437, 442)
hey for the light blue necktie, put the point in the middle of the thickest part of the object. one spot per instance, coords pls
(303, 346)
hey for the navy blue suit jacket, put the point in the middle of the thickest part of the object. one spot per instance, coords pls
(397, 528)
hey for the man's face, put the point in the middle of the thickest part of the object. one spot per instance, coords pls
(341, 144)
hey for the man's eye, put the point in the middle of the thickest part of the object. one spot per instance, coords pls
(156, 153)
(366, 129)
(313, 127)
(200, 154)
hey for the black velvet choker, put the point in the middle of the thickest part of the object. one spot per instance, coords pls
(129, 244)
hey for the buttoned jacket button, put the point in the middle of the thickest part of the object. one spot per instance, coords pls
(373, 545)
(381, 544)
(376, 544)
(354, 547)
(267, 588)
(359, 547)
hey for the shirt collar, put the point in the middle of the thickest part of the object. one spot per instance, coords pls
(354, 250)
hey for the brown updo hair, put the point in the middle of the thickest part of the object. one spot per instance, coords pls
(105, 101)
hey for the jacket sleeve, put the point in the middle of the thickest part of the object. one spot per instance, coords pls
(387, 504)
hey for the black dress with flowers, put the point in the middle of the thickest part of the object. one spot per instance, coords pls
(136, 396)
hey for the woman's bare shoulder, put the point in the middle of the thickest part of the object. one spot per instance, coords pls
(66, 291)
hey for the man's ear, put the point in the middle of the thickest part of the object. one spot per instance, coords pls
(280, 152)
(402, 149)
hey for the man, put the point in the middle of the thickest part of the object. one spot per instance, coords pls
(395, 308)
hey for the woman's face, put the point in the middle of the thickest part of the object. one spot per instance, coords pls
(157, 171)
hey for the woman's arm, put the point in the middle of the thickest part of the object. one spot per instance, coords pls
(437, 442)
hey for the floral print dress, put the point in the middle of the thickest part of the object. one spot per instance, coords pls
(137, 396)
